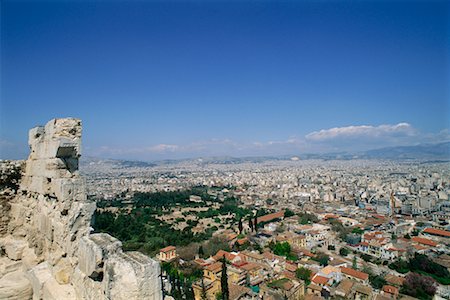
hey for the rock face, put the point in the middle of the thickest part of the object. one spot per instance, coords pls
(45, 236)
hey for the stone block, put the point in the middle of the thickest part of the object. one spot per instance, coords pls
(14, 248)
(38, 276)
(14, 286)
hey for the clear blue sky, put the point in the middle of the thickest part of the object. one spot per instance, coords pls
(154, 80)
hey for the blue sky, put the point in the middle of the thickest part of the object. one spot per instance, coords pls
(155, 80)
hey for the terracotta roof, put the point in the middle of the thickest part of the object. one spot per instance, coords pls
(242, 241)
(250, 266)
(221, 253)
(237, 291)
(320, 280)
(435, 231)
(355, 273)
(291, 267)
(345, 286)
(390, 289)
(168, 248)
(217, 266)
(271, 217)
(424, 241)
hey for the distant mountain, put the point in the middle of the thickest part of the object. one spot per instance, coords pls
(440, 151)
(429, 152)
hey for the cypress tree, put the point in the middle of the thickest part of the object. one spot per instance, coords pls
(224, 280)
(203, 296)
(256, 224)
(250, 224)
(240, 226)
(200, 251)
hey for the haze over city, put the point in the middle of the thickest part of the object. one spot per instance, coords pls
(158, 80)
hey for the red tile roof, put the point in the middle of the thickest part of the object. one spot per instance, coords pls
(435, 231)
(168, 248)
(390, 289)
(271, 217)
(221, 253)
(424, 241)
(355, 273)
(320, 280)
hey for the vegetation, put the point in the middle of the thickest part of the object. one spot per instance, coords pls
(331, 247)
(419, 286)
(423, 265)
(140, 229)
(306, 218)
(322, 258)
(344, 251)
(288, 213)
(283, 249)
(180, 282)
(304, 274)
(224, 281)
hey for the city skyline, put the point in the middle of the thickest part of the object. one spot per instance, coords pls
(154, 80)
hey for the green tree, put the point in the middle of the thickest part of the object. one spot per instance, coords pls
(344, 251)
(201, 253)
(282, 249)
(240, 227)
(288, 213)
(224, 280)
(304, 274)
(354, 263)
(255, 223)
(250, 224)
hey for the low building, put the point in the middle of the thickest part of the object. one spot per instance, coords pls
(356, 275)
(168, 253)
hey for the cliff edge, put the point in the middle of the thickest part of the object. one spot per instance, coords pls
(47, 250)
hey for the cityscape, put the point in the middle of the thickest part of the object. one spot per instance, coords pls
(224, 150)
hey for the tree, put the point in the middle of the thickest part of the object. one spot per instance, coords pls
(224, 280)
(250, 224)
(240, 227)
(200, 251)
(419, 286)
(203, 295)
(282, 249)
(322, 258)
(303, 274)
(288, 213)
(344, 251)
(354, 263)
(255, 224)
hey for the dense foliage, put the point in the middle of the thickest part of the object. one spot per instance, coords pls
(304, 274)
(140, 229)
(422, 264)
(419, 286)
(306, 218)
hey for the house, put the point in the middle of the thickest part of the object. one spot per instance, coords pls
(362, 292)
(210, 282)
(284, 288)
(168, 253)
(344, 288)
(390, 291)
(437, 232)
(356, 275)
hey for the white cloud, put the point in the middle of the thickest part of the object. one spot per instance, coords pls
(362, 131)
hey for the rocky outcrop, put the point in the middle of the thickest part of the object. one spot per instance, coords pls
(47, 240)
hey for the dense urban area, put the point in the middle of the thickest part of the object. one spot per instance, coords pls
(282, 229)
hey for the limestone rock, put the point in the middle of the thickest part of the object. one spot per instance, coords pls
(14, 248)
(45, 229)
(15, 285)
